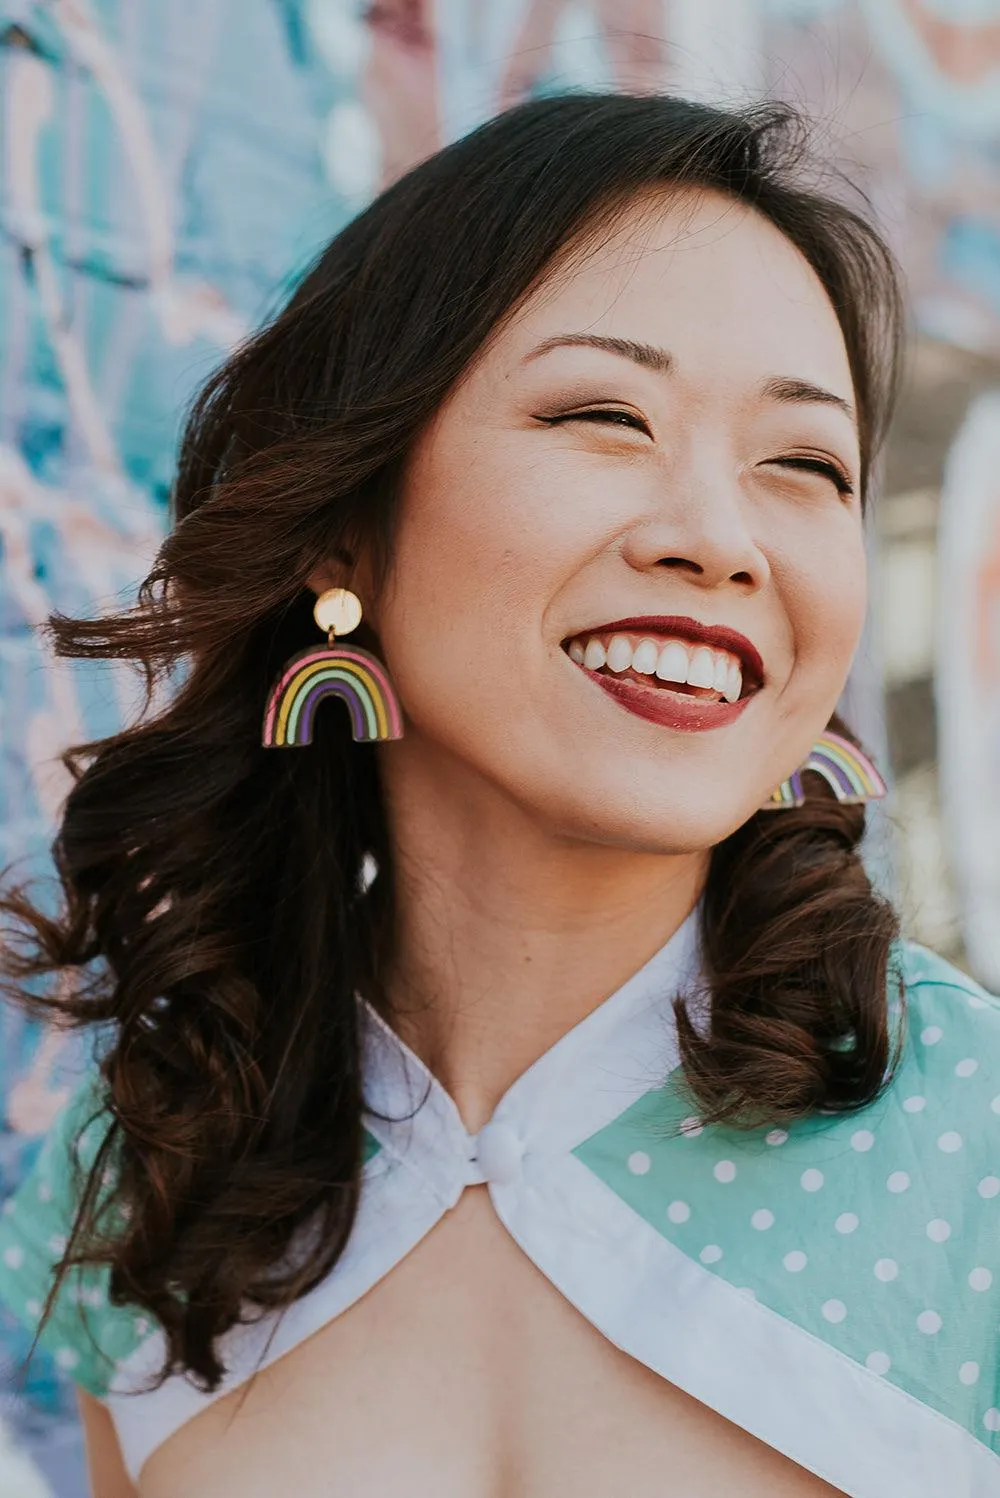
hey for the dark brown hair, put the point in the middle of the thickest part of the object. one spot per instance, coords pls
(213, 887)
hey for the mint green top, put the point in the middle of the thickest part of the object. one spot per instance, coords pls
(832, 1286)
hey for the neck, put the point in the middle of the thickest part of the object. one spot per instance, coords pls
(508, 935)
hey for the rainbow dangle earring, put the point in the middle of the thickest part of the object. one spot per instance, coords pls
(851, 775)
(346, 671)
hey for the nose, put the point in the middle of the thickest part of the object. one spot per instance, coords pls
(701, 528)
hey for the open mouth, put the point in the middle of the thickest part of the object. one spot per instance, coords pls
(708, 672)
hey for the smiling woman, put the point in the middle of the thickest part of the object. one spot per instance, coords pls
(514, 1085)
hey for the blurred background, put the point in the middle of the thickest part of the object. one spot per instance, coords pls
(167, 169)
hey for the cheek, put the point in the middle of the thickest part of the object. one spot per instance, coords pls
(493, 521)
(472, 570)
(469, 530)
(826, 592)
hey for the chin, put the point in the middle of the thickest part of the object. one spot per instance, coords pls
(646, 822)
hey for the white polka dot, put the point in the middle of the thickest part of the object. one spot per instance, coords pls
(710, 1254)
(988, 1186)
(980, 1279)
(33, 1307)
(811, 1179)
(776, 1136)
(141, 1326)
(846, 1222)
(66, 1357)
(862, 1140)
(931, 1034)
(992, 1419)
(13, 1257)
(995, 1105)
(886, 1270)
(678, 1211)
(57, 1244)
(878, 1362)
(898, 1181)
(44, 1191)
(938, 1230)
(950, 1142)
(834, 1310)
(795, 1260)
(967, 1067)
(968, 1373)
(725, 1171)
(929, 1322)
(762, 1219)
(639, 1162)
(746, 1291)
(692, 1127)
(915, 1104)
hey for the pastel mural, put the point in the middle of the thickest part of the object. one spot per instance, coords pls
(166, 170)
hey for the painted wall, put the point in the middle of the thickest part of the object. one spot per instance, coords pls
(167, 169)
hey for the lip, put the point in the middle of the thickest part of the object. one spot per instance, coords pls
(670, 709)
(681, 627)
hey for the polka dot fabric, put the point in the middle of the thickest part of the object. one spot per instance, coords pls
(877, 1232)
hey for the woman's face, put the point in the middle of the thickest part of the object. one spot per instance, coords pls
(685, 476)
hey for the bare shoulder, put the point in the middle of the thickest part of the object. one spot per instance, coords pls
(108, 1476)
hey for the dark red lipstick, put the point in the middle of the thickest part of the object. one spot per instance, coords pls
(671, 709)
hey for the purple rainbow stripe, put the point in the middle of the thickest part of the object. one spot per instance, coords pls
(849, 773)
(346, 671)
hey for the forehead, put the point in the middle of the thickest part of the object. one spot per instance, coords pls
(707, 278)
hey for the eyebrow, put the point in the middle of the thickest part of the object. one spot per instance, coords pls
(660, 361)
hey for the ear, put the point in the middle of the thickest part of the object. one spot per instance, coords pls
(335, 571)
(323, 577)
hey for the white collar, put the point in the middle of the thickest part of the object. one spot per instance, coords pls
(588, 1077)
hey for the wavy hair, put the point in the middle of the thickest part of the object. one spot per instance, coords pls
(212, 888)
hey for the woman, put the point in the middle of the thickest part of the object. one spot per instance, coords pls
(538, 1099)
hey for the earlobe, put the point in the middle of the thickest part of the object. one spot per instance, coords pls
(335, 571)
(323, 578)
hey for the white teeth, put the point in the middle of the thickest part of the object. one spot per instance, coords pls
(673, 662)
(701, 672)
(594, 656)
(645, 657)
(698, 666)
(619, 653)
